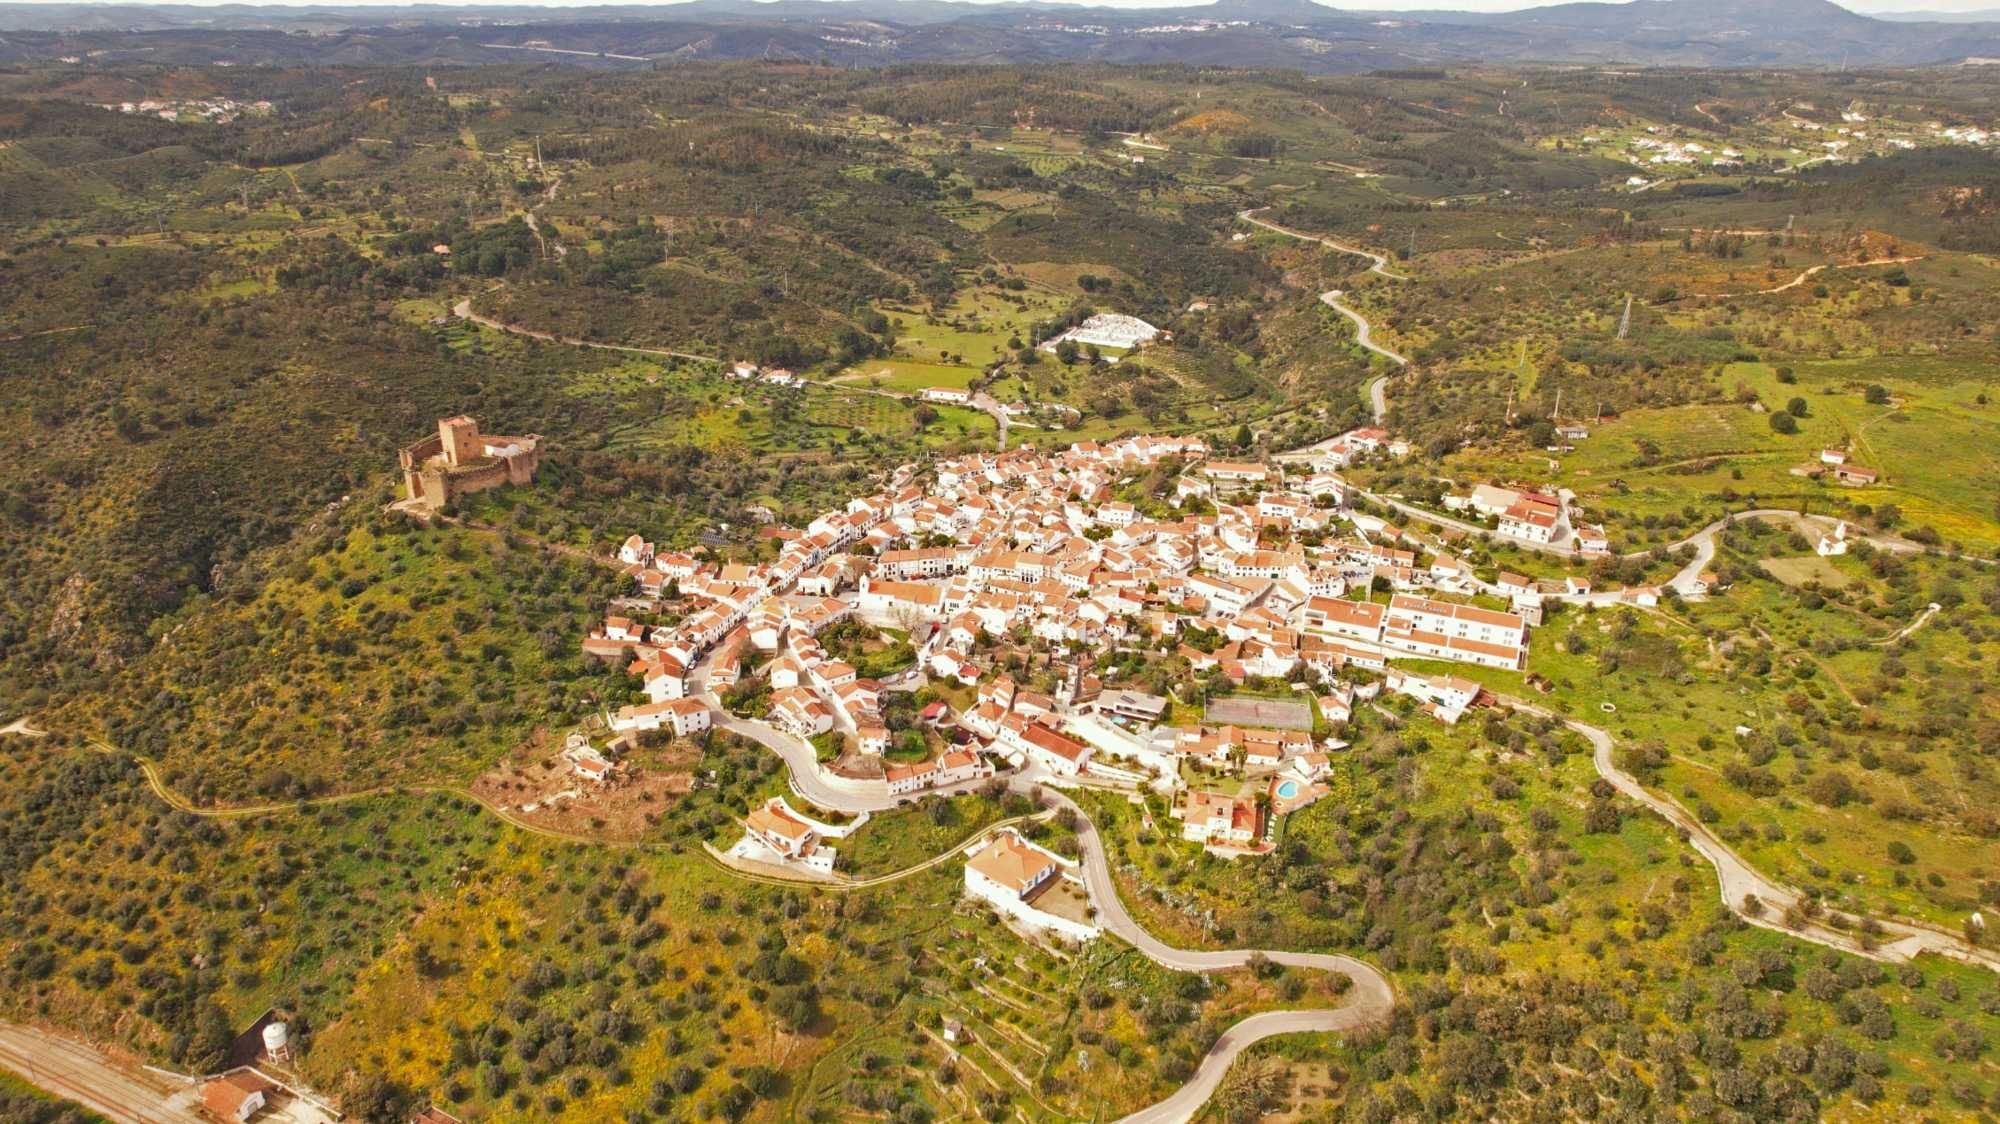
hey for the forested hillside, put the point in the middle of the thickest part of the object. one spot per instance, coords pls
(1665, 295)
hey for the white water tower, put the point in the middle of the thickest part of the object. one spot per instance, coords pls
(277, 1042)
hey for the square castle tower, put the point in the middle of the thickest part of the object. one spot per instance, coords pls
(459, 460)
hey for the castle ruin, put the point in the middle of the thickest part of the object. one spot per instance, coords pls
(458, 460)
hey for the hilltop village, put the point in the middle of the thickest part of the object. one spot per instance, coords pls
(1029, 595)
(792, 588)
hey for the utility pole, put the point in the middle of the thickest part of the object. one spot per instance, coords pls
(1556, 414)
(1625, 321)
(1510, 405)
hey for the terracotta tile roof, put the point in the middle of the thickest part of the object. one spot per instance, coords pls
(772, 820)
(1012, 863)
(225, 1095)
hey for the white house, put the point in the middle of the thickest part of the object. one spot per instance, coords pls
(799, 712)
(1009, 873)
(1117, 514)
(1592, 542)
(685, 717)
(1058, 753)
(635, 551)
(792, 839)
(1451, 692)
(873, 737)
(904, 779)
(1214, 818)
(1530, 521)
(665, 678)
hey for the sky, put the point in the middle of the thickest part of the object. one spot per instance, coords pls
(1865, 6)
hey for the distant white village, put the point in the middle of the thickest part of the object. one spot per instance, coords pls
(1107, 329)
(1258, 580)
(219, 110)
(1798, 141)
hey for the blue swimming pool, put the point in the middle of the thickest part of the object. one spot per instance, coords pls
(1287, 789)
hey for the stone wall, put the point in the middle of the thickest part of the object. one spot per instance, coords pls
(428, 479)
(412, 459)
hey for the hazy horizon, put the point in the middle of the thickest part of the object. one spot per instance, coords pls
(1873, 7)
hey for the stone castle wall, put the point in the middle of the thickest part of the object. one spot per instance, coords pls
(426, 478)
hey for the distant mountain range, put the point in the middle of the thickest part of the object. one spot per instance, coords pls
(1272, 33)
(1968, 15)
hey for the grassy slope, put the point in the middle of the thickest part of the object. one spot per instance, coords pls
(1405, 859)
(419, 939)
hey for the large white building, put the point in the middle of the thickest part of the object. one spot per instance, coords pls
(1109, 329)
(1057, 752)
(1450, 631)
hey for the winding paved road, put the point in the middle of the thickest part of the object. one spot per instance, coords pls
(1702, 540)
(1367, 1003)
(1380, 263)
(1369, 999)
(1363, 334)
(1739, 881)
(1372, 997)
(77, 1072)
(990, 405)
(828, 790)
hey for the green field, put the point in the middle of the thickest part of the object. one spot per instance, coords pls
(1934, 443)
(907, 376)
(893, 841)
(1806, 683)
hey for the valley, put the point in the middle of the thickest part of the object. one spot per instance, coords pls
(1033, 591)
